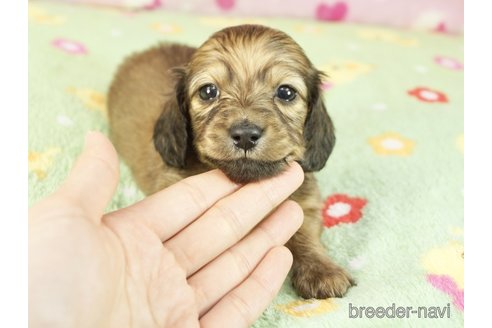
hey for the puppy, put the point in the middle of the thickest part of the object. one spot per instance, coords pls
(247, 101)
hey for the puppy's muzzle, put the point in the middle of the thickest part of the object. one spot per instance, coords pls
(245, 135)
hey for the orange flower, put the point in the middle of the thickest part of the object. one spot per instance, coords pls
(391, 144)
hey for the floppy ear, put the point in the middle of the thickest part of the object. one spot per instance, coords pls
(171, 131)
(319, 133)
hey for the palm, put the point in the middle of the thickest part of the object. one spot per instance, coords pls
(151, 278)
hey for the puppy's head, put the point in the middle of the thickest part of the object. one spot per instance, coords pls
(248, 102)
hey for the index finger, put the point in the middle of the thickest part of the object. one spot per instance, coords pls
(170, 210)
(231, 218)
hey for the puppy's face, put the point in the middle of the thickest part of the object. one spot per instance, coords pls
(249, 94)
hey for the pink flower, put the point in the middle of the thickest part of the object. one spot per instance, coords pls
(69, 46)
(441, 28)
(225, 4)
(448, 62)
(448, 286)
(334, 12)
(154, 4)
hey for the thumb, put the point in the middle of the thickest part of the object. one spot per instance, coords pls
(94, 176)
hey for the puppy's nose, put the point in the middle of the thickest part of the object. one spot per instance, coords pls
(245, 135)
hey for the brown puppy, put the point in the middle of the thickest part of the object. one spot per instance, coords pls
(247, 102)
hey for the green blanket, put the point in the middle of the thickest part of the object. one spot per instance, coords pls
(392, 190)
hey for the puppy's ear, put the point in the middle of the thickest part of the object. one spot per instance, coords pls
(319, 133)
(171, 131)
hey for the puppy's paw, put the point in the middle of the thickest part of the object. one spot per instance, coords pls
(321, 279)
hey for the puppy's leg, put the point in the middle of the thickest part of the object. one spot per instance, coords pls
(314, 275)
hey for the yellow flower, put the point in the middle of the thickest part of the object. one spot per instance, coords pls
(391, 144)
(308, 28)
(386, 36)
(91, 98)
(406, 42)
(166, 28)
(460, 142)
(38, 15)
(377, 34)
(308, 308)
(343, 71)
(40, 162)
(446, 260)
(457, 231)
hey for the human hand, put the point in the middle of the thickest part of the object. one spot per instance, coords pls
(195, 254)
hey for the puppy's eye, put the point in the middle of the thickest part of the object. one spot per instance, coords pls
(209, 92)
(286, 92)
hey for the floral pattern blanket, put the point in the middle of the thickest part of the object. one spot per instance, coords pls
(392, 189)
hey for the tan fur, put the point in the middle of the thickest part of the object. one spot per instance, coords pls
(138, 94)
(313, 273)
(247, 63)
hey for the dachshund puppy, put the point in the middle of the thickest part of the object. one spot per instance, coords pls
(247, 101)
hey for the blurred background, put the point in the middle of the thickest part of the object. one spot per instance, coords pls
(438, 15)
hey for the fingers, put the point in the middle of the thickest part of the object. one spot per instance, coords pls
(173, 208)
(231, 218)
(213, 281)
(94, 176)
(243, 305)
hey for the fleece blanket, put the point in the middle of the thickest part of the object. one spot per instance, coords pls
(392, 190)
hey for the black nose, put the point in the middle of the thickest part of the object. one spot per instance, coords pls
(245, 135)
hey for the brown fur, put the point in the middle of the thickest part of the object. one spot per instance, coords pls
(166, 132)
